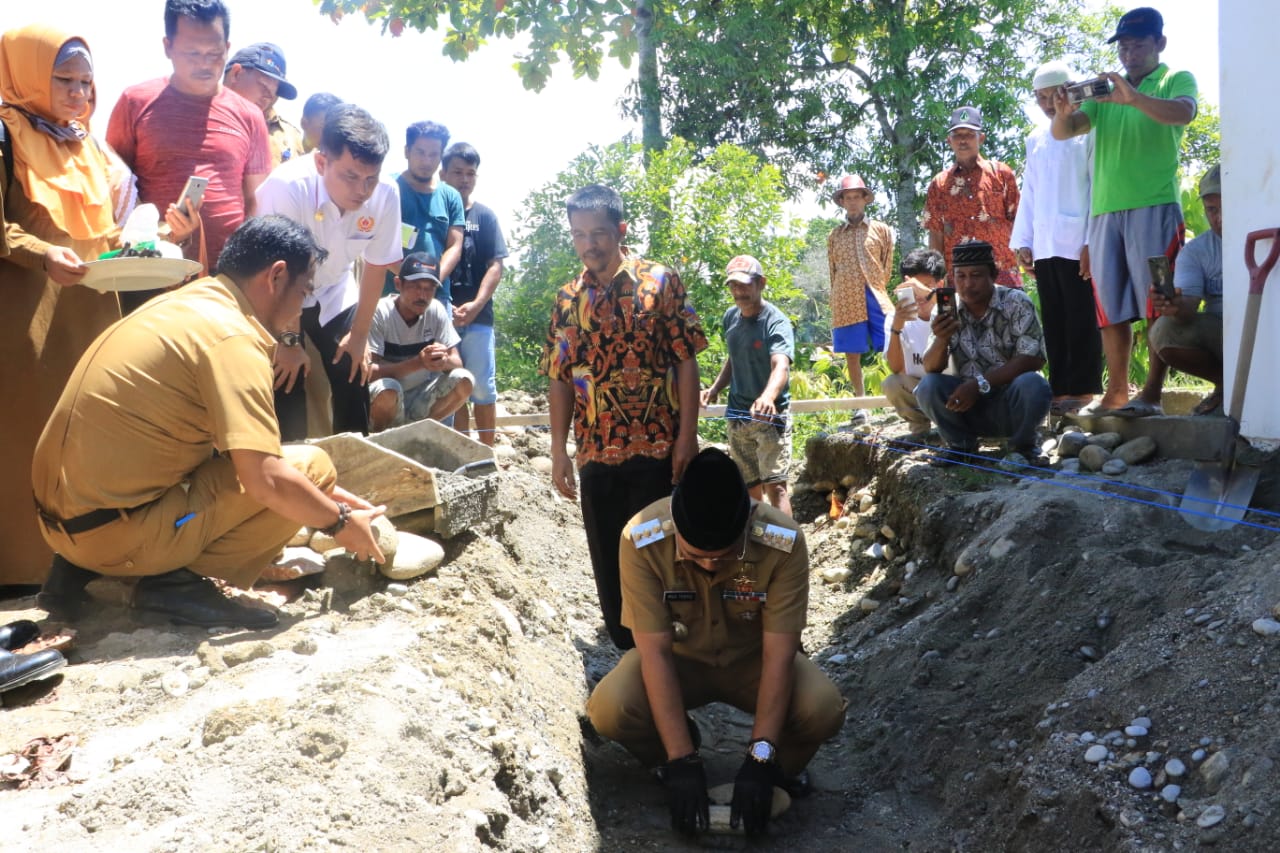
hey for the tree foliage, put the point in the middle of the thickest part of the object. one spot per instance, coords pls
(694, 215)
(824, 86)
(582, 31)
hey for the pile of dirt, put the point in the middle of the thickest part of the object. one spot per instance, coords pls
(987, 630)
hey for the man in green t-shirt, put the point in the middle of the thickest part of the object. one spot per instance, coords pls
(1137, 136)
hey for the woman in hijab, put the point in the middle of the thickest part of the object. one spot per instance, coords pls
(60, 196)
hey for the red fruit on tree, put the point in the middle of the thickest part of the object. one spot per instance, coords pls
(396, 26)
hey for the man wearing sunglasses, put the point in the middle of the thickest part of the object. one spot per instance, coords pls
(715, 588)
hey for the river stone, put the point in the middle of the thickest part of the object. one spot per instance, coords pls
(888, 532)
(301, 538)
(1095, 754)
(1106, 440)
(416, 556)
(387, 535)
(322, 542)
(1175, 768)
(1140, 778)
(1071, 444)
(1214, 770)
(1000, 548)
(1170, 793)
(865, 502)
(963, 565)
(1266, 627)
(824, 486)
(1211, 816)
(541, 464)
(1114, 467)
(835, 575)
(1093, 457)
(1136, 451)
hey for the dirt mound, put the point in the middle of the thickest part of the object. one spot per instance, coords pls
(986, 630)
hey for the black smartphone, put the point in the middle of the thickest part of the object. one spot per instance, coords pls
(1162, 276)
(946, 300)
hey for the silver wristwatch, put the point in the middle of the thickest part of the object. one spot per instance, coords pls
(762, 751)
(984, 387)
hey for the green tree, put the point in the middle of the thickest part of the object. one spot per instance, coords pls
(692, 214)
(824, 86)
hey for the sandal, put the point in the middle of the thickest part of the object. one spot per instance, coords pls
(1210, 405)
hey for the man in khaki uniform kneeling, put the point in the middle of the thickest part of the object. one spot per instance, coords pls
(715, 587)
(125, 474)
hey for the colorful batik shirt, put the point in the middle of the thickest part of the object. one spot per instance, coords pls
(619, 346)
(976, 204)
(859, 255)
(1009, 328)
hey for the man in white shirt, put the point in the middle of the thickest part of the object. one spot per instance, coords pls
(907, 336)
(337, 193)
(1049, 235)
(417, 370)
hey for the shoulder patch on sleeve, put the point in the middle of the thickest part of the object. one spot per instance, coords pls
(778, 538)
(645, 533)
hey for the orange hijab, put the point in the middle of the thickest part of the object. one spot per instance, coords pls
(70, 180)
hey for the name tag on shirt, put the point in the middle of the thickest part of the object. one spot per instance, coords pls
(679, 595)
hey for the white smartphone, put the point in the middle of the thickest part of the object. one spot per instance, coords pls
(192, 192)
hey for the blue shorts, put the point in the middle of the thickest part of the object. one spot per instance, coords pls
(476, 349)
(854, 337)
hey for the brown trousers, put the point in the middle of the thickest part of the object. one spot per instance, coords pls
(619, 706)
(229, 535)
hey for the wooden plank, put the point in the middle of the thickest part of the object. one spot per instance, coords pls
(379, 475)
(838, 404)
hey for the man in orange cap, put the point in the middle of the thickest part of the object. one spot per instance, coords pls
(860, 254)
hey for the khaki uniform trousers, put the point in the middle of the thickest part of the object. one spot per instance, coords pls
(229, 536)
(619, 706)
(900, 390)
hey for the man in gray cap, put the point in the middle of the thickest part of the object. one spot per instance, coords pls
(973, 199)
(715, 587)
(256, 73)
(1136, 214)
(991, 348)
(1188, 339)
(1049, 236)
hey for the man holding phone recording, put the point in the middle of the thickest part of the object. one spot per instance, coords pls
(991, 347)
(417, 371)
(1188, 339)
(1135, 207)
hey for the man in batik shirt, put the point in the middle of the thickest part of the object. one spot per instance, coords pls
(620, 357)
(974, 199)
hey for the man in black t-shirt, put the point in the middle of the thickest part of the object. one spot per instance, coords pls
(473, 283)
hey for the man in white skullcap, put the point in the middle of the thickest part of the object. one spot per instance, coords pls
(1049, 235)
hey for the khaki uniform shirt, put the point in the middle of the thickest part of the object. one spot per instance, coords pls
(285, 139)
(859, 255)
(154, 396)
(727, 612)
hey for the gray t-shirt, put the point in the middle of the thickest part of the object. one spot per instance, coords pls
(752, 342)
(1199, 271)
(396, 341)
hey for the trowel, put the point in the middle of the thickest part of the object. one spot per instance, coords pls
(1218, 492)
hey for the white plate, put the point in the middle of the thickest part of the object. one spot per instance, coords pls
(122, 274)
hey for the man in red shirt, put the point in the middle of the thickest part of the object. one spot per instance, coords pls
(169, 129)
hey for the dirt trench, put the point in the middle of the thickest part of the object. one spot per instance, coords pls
(447, 713)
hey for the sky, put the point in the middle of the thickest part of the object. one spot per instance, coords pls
(524, 138)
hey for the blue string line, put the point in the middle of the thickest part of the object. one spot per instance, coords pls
(932, 453)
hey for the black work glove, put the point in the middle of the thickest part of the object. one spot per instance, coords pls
(686, 782)
(753, 796)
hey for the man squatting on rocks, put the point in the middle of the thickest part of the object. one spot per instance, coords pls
(1186, 338)
(992, 349)
(761, 347)
(621, 359)
(1136, 212)
(187, 374)
(716, 588)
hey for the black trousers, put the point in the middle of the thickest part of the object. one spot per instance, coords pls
(1070, 319)
(610, 495)
(350, 399)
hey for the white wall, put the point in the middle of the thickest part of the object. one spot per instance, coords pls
(1251, 198)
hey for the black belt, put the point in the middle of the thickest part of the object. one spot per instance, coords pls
(82, 523)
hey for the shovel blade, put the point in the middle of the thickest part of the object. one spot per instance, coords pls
(1217, 497)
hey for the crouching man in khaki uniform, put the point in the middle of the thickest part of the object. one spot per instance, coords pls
(125, 475)
(715, 587)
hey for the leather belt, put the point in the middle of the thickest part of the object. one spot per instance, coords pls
(82, 523)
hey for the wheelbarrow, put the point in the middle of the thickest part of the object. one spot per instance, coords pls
(1218, 493)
